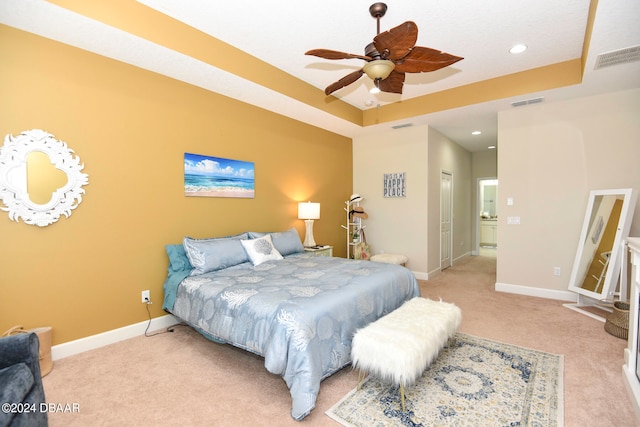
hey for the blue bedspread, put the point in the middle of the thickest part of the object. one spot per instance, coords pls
(299, 313)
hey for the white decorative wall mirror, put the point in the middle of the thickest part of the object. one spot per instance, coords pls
(27, 178)
(600, 254)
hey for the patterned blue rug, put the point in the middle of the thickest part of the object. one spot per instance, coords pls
(475, 382)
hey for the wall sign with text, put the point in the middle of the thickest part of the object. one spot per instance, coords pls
(395, 184)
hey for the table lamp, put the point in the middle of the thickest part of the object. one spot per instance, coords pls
(308, 212)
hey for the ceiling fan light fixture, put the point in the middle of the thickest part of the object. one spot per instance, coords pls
(378, 69)
(397, 45)
(376, 87)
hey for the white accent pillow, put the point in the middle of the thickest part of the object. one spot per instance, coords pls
(261, 249)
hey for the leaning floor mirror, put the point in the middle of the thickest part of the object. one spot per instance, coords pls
(596, 268)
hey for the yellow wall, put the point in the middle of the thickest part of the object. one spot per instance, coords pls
(130, 127)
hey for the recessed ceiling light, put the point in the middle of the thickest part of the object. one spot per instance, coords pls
(519, 48)
(368, 103)
(476, 132)
(491, 147)
(374, 90)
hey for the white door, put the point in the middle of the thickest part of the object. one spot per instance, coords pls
(446, 187)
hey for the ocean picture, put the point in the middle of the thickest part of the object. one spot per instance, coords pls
(206, 176)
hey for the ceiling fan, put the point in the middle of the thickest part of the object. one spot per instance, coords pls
(391, 55)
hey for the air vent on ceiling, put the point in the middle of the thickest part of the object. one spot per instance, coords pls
(406, 125)
(527, 102)
(621, 56)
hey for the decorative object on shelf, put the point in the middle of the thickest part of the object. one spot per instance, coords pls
(358, 212)
(598, 260)
(394, 185)
(14, 188)
(355, 214)
(355, 198)
(308, 212)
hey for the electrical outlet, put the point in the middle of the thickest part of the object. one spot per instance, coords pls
(146, 296)
(556, 271)
(513, 220)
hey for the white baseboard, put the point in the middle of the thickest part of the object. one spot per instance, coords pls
(420, 275)
(536, 292)
(461, 257)
(70, 348)
(434, 273)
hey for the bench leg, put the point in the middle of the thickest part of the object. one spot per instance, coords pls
(451, 342)
(402, 395)
(361, 377)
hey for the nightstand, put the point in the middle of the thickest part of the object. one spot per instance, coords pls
(320, 250)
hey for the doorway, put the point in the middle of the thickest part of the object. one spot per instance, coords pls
(487, 217)
(446, 208)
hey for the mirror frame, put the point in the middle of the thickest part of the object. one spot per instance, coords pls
(615, 260)
(15, 195)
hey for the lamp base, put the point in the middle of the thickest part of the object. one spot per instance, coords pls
(308, 238)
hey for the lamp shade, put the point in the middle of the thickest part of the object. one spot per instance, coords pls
(308, 210)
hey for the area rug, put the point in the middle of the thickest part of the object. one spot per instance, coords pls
(473, 382)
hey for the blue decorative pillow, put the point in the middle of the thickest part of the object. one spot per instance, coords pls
(261, 249)
(214, 254)
(178, 260)
(286, 242)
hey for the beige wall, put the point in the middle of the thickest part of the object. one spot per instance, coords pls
(411, 225)
(446, 155)
(398, 224)
(550, 156)
(83, 275)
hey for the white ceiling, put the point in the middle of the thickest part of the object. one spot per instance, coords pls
(280, 32)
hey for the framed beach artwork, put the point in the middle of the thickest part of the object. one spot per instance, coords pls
(206, 176)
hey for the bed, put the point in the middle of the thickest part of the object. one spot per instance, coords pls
(296, 310)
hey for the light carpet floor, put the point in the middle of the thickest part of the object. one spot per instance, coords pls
(474, 381)
(180, 378)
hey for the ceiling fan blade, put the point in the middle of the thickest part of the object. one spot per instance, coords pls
(393, 83)
(424, 59)
(345, 81)
(398, 41)
(334, 54)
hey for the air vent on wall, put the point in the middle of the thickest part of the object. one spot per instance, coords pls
(621, 56)
(406, 125)
(527, 102)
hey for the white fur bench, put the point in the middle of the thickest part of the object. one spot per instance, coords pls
(390, 259)
(401, 345)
